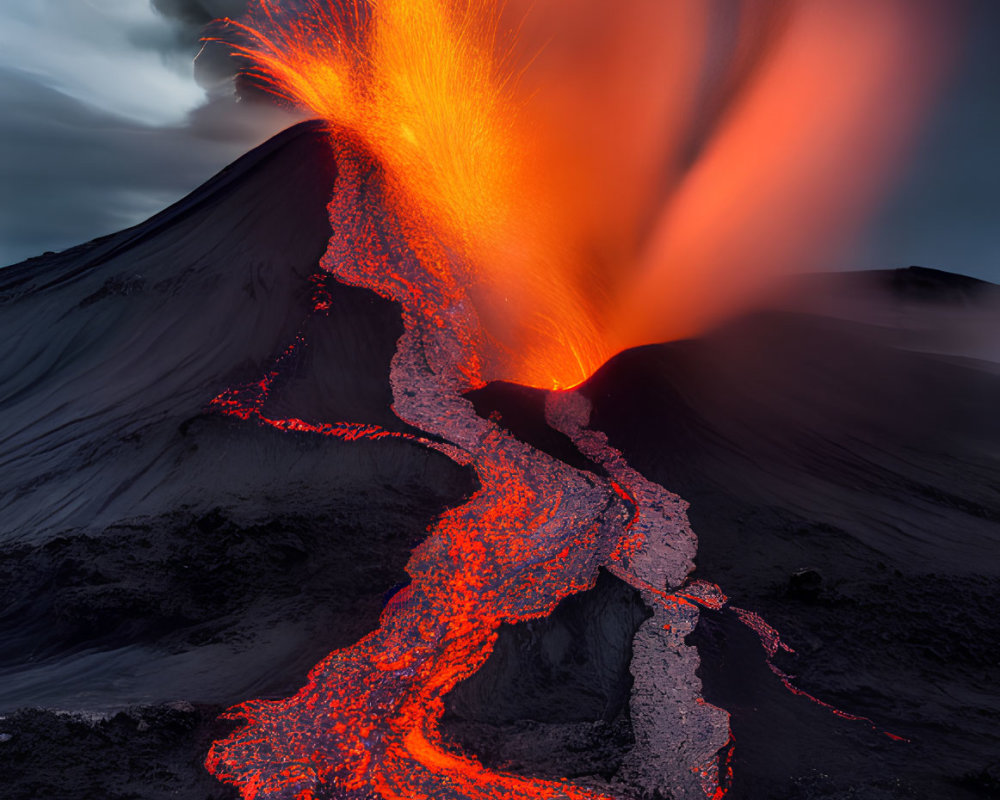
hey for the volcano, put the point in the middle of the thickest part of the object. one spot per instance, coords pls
(206, 490)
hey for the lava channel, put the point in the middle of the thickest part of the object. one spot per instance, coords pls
(365, 725)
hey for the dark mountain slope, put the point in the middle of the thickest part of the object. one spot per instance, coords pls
(849, 492)
(847, 488)
(149, 550)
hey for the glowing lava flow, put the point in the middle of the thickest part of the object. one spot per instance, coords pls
(436, 188)
(535, 532)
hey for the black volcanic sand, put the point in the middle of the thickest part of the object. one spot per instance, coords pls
(159, 563)
(136, 754)
(552, 700)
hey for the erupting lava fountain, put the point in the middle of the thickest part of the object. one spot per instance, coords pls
(529, 228)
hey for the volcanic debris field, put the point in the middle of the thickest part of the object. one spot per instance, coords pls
(161, 561)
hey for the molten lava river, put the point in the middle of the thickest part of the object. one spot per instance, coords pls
(535, 532)
(400, 94)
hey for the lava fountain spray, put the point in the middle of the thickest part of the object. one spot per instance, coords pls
(619, 173)
(464, 165)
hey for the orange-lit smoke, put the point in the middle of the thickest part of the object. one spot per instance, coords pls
(616, 172)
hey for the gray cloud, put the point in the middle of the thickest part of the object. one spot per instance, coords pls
(87, 149)
(69, 172)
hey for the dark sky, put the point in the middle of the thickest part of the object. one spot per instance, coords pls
(106, 121)
(945, 212)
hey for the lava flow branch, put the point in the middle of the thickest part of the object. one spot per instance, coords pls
(514, 225)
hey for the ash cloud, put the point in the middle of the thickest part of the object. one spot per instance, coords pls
(195, 14)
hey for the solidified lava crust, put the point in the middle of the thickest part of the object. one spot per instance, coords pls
(366, 723)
